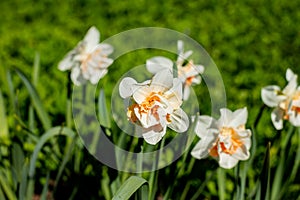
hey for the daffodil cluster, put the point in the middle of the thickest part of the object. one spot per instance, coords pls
(88, 61)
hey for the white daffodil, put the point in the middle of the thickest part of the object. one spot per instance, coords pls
(286, 102)
(188, 72)
(155, 105)
(225, 139)
(88, 60)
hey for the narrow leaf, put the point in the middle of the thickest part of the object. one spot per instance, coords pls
(265, 175)
(129, 187)
(102, 110)
(3, 120)
(36, 101)
(45, 137)
(45, 188)
(8, 191)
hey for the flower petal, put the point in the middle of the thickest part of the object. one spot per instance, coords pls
(270, 97)
(227, 161)
(104, 49)
(241, 153)
(174, 95)
(158, 63)
(239, 117)
(141, 93)
(162, 81)
(291, 86)
(186, 92)
(67, 62)
(179, 121)
(203, 124)
(226, 117)
(289, 75)
(277, 116)
(201, 149)
(76, 76)
(97, 75)
(91, 38)
(154, 135)
(126, 87)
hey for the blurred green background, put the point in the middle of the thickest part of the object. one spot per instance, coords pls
(251, 42)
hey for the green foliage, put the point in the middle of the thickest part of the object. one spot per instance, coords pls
(252, 43)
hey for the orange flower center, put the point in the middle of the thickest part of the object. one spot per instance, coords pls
(285, 105)
(145, 107)
(234, 140)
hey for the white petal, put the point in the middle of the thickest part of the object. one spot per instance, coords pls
(174, 95)
(291, 86)
(162, 81)
(141, 93)
(180, 46)
(239, 117)
(226, 117)
(105, 49)
(126, 87)
(158, 63)
(201, 149)
(76, 76)
(203, 124)
(186, 92)
(91, 38)
(289, 74)
(152, 136)
(196, 80)
(241, 153)
(97, 75)
(246, 142)
(227, 161)
(277, 116)
(243, 133)
(67, 62)
(179, 121)
(270, 97)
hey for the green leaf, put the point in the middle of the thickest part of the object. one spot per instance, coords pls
(129, 187)
(8, 191)
(45, 188)
(45, 137)
(3, 120)
(36, 101)
(221, 183)
(102, 110)
(23, 183)
(265, 175)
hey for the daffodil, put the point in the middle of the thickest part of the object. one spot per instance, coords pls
(188, 72)
(155, 105)
(88, 60)
(286, 102)
(226, 139)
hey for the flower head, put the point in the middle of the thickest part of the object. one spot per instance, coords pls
(286, 102)
(225, 139)
(88, 60)
(188, 72)
(155, 105)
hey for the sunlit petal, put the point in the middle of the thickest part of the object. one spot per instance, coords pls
(158, 63)
(179, 121)
(91, 38)
(239, 117)
(126, 87)
(270, 95)
(227, 161)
